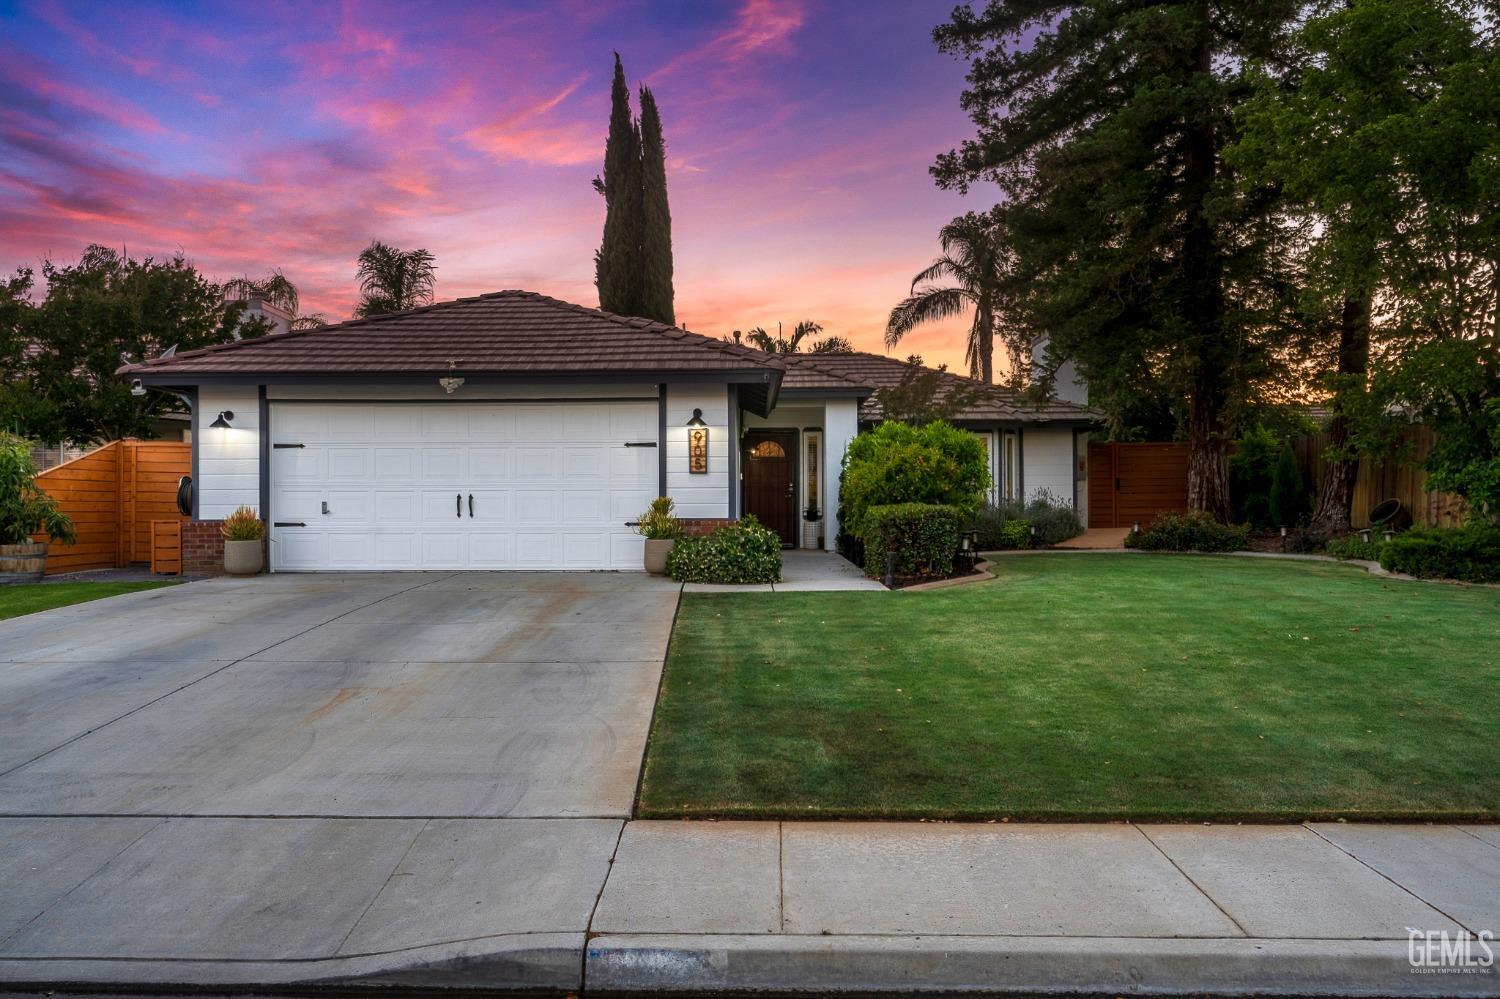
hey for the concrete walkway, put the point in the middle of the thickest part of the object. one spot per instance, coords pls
(574, 904)
(802, 570)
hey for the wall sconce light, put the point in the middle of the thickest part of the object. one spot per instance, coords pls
(697, 444)
(222, 423)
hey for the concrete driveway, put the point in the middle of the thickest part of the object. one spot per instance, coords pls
(320, 768)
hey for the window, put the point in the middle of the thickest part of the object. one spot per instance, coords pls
(767, 449)
(1012, 467)
(813, 447)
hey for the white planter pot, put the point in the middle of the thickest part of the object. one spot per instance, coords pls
(243, 558)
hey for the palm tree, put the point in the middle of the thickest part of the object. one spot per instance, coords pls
(779, 344)
(978, 264)
(274, 288)
(392, 280)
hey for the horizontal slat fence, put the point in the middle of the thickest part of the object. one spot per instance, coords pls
(1132, 483)
(112, 495)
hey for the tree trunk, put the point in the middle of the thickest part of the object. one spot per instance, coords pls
(1331, 513)
(986, 344)
(1208, 353)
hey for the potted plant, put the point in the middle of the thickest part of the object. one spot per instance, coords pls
(25, 510)
(243, 533)
(661, 531)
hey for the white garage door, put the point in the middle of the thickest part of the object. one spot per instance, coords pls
(460, 485)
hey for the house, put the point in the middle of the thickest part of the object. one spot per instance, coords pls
(516, 431)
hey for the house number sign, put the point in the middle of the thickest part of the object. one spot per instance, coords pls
(698, 450)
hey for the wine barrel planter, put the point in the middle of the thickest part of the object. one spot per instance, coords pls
(23, 563)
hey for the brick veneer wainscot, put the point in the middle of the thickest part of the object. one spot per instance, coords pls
(203, 548)
(696, 528)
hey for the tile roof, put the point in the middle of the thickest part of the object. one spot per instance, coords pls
(503, 332)
(875, 372)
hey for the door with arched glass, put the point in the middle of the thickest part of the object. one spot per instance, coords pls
(770, 480)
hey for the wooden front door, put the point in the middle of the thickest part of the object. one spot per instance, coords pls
(770, 463)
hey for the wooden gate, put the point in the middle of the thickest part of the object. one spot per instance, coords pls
(1132, 483)
(112, 495)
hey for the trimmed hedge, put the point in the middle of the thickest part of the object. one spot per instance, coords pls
(895, 463)
(923, 537)
(1470, 554)
(1194, 531)
(1351, 546)
(744, 552)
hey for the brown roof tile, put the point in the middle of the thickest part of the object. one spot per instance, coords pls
(502, 332)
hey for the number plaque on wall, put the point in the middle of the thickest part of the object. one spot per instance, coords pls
(698, 450)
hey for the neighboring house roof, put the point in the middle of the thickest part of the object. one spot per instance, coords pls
(993, 403)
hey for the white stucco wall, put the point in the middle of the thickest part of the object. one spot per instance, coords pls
(1047, 461)
(701, 495)
(228, 460)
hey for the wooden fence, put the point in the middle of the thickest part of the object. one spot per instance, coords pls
(112, 495)
(1380, 480)
(1132, 483)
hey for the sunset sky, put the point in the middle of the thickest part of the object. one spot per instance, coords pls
(799, 133)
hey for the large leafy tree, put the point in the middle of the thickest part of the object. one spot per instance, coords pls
(392, 280)
(62, 354)
(1375, 123)
(1104, 124)
(633, 265)
(977, 265)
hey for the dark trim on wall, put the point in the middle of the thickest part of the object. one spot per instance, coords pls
(1021, 464)
(192, 397)
(460, 402)
(753, 376)
(1074, 471)
(661, 435)
(265, 456)
(734, 452)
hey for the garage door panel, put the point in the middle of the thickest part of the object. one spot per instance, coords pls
(538, 506)
(396, 423)
(444, 463)
(397, 464)
(491, 550)
(396, 550)
(533, 463)
(349, 464)
(552, 484)
(491, 464)
(445, 423)
(633, 423)
(396, 506)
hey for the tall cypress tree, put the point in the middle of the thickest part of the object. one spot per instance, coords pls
(1104, 124)
(656, 218)
(617, 265)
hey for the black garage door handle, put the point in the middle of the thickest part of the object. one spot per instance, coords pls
(471, 505)
(458, 505)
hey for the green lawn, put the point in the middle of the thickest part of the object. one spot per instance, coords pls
(1089, 687)
(28, 598)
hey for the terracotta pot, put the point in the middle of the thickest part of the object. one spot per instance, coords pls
(23, 563)
(656, 555)
(243, 558)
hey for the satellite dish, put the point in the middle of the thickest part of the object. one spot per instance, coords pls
(168, 352)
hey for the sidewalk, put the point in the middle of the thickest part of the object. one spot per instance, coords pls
(584, 904)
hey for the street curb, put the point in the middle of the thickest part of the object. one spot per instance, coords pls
(998, 965)
(531, 961)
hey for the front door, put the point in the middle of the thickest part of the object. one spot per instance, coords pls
(770, 462)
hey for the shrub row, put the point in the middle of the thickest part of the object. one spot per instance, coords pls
(1353, 546)
(1195, 531)
(922, 536)
(1008, 524)
(743, 552)
(1470, 554)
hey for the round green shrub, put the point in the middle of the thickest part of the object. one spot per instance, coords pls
(744, 552)
(896, 463)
